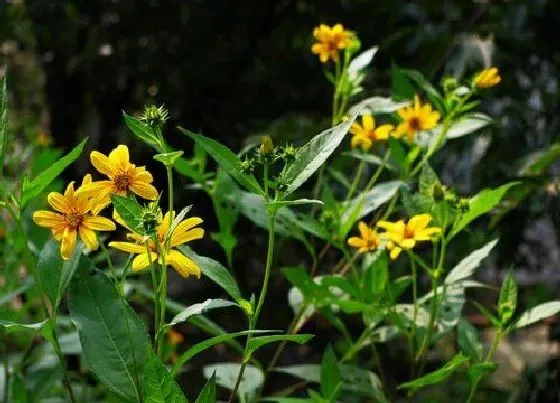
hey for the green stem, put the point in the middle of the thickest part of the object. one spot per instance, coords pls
(110, 264)
(255, 317)
(476, 381)
(412, 340)
(5, 363)
(156, 300)
(356, 347)
(378, 171)
(356, 180)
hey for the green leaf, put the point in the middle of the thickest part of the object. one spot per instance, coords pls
(215, 272)
(297, 202)
(188, 169)
(257, 342)
(226, 159)
(113, 338)
(438, 375)
(508, 298)
(495, 321)
(285, 399)
(55, 273)
(376, 279)
(130, 212)
(198, 309)
(359, 381)
(398, 155)
(142, 131)
(19, 391)
(536, 163)
(401, 88)
(3, 121)
(208, 393)
(483, 202)
(206, 344)
(331, 378)
(538, 313)
(10, 326)
(316, 397)
(426, 86)
(37, 185)
(468, 265)
(314, 154)
(168, 159)
(226, 376)
(467, 338)
(365, 203)
(377, 105)
(159, 385)
(361, 61)
(466, 125)
(428, 179)
(479, 369)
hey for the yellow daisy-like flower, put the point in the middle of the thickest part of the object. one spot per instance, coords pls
(487, 78)
(330, 41)
(184, 232)
(403, 235)
(415, 119)
(367, 241)
(73, 217)
(366, 134)
(123, 177)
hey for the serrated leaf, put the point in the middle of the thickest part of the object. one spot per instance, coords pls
(130, 212)
(141, 130)
(168, 159)
(226, 159)
(215, 272)
(226, 376)
(257, 342)
(208, 393)
(468, 265)
(39, 183)
(377, 105)
(467, 338)
(466, 125)
(438, 375)
(538, 313)
(159, 385)
(113, 338)
(312, 155)
(198, 309)
(331, 378)
(483, 202)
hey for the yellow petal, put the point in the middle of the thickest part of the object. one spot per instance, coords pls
(48, 219)
(98, 223)
(95, 188)
(141, 175)
(382, 132)
(407, 243)
(356, 242)
(182, 264)
(68, 243)
(396, 227)
(128, 247)
(419, 222)
(364, 230)
(368, 122)
(58, 202)
(395, 252)
(144, 190)
(183, 227)
(142, 261)
(89, 238)
(119, 157)
(102, 163)
(427, 234)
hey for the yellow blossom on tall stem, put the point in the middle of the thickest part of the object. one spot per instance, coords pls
(330, 41)
(366, 134)
(184, 232)
(487, 78)
(415, 119)
(401, 235)
(367, 241)
(72, 217)
(123, 176)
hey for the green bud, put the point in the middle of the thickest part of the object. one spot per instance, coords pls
(267, 147)
(438, 192)
(247, 166)
(464, 205)
(449, 84)
(154, 116)
(290, 153)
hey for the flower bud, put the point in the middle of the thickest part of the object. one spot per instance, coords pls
(267, 147)
(154, 116)
(438, 192)
(449, 84)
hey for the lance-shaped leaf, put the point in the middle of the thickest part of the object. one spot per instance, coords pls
(208, 393)
(257, 342)
(467, 125)
(33, 188)
(130, 212)
(438, 375)
(538, 313)
(376, 105)
(468, 340)
(226, 159)
(199, 309)
(311, 156)
(226, 377)
(141, 130)
(468, 265)
(507, 302)
(159, 385)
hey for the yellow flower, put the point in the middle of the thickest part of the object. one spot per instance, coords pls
(415, 119)
(487, 78)
(123, 177)
(366, 134)
(367, 241)
(73, 217)
(403, 235)
(330, 41)
(175, 337)
(184, 232)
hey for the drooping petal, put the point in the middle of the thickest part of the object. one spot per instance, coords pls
(419, 222)
(142, 261)
(407, 243)
(89, 238)
(58, 202)
(427, 234)
(395, 252)
(144, 190)
(128, 247)
(186, 225)
(68, 243)
(98, 223)
(182, 264)
(102, 163)
(48, 219)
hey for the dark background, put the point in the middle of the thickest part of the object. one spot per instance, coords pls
(231, 69)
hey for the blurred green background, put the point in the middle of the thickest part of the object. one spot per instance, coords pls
(233, 69)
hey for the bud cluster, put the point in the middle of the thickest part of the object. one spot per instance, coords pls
(155, 116)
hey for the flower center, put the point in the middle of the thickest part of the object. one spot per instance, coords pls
(414, 124)
(371, 243)
(121, 182)
(408, 233)
(73, 220)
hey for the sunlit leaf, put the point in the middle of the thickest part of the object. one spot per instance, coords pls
(538, 313)
(438, 375)
(226, 376)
